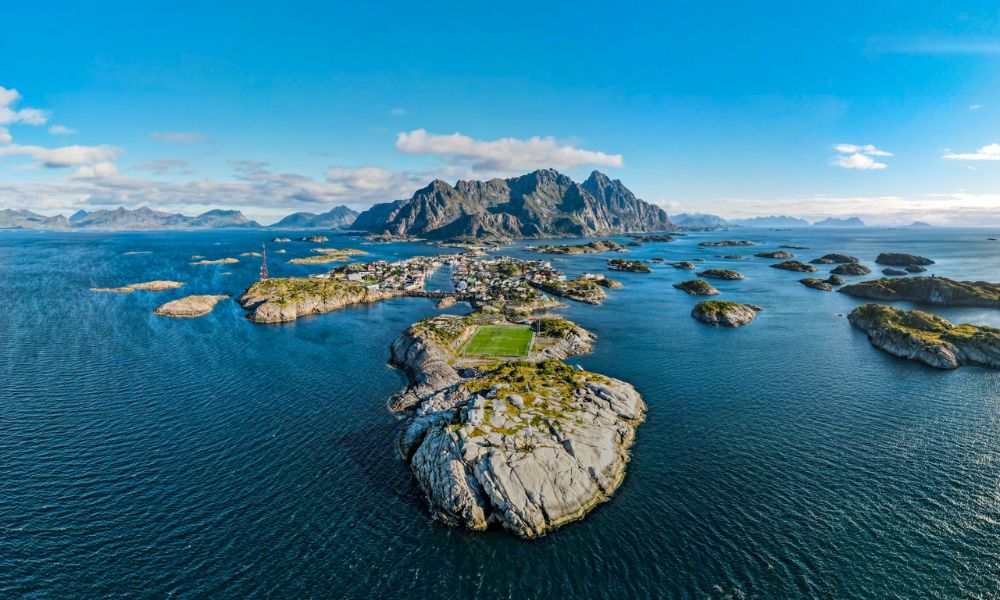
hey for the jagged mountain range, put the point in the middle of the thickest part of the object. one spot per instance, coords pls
(539, 204)
(124, 219)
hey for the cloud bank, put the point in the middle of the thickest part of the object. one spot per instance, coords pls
(505, 154)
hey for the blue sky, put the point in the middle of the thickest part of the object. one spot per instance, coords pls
(730, 108)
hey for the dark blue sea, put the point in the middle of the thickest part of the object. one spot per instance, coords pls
(148, 457)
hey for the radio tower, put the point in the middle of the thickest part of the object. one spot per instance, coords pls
(263, 261)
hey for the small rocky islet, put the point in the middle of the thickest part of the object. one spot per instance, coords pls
(899, 259)
(780, 254)
(835, 258)
(697, 287)
(851, 268)
(724, 274)
(724, 243)
(794, 265)
(724, 313)
(927, 338)
(633, 266)
(145, 286)
(189, 306)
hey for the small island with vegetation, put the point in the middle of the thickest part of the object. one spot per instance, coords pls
(723, 313)
(726, 243)
(794, 265)
(328, 255)
(588, 248)
(928, 338)
(777, 254)
(634, 266)
(697, 287)
(851, 268)
(829, 259)
(928, 290)
(726, 274)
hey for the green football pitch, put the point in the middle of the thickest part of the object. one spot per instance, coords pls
(499, 341)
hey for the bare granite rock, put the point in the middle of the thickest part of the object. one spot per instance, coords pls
(146, 286)
(189, 306)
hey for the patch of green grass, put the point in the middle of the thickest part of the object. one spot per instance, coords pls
(493, 340)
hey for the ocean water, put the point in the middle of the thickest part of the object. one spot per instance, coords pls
(142, 456)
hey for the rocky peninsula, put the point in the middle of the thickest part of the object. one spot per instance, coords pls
(524, 445)
(285, 299)
(189, 306)
(723, 313)
(697, 287)
(925, 337)
(928, 290)
(146, 286)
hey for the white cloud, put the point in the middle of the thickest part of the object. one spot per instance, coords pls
(858, 161)
(65, 156)
(61, 130)
(179, 137)
(504, 154)
(5, 137)
(866, 149)
(101, 169)
(397, 112)
(162, 166)
(988, 152)
(8, 115)
(853, 156)
(975, 106)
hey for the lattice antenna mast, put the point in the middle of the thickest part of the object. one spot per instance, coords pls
(263, 261)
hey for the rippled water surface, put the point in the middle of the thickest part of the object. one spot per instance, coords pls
(149, 457)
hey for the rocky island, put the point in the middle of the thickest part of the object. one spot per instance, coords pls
(817, 284)
(829, 259)
(726, 274)
(683, 265)
(146, 286)
(921, 336)
(588, 248)
(189, 306)
(654, 238)
(697, 287)
(722, 313)
(726, 243)
(218, 261)
(327, 255)
(778, 254)
(894, 272)
(851, 268)
(525, 445)
(794, 265)
(928, 290)
(899, 259)
(634, 266)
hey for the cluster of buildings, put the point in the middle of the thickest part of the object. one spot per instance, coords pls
(501, 279)
(409, 274)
